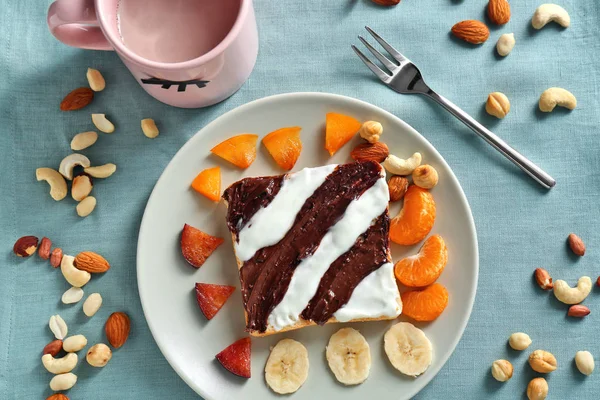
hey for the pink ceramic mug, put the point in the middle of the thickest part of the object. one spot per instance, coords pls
(198, 82)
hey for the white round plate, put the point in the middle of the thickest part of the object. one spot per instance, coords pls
(166, 281)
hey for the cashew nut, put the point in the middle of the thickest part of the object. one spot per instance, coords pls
(101, 171)
(505, 44)
(86, 206)
(74, 276)
(102, 123)
(557, 97)
(63, 382)
(58, 185)
(568, 295)
(550, 12)
(70, 161)
(59, 365)
(398, 166)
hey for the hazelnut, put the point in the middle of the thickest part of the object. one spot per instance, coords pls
(502, 370)
(371, 131)
(98, 355)
(537, 389)
(425, 176)
(519, 341)
(542, 361)
(497, 105)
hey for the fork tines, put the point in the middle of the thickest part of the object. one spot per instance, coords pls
(390, 65)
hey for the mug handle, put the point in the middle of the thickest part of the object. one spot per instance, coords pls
(74, 23)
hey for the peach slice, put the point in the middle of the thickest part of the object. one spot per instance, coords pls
(197, 246)
(339, 129)
(208, 183)
(415, 220)
(239, 150)
(284, 145)
(423, 268)
(426, 304)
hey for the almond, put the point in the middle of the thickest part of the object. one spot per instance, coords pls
(543, 279)
(576, 244)
(370, 152)
(91, 262)
(499, 11)
(25, 246)
(471, 31)
(117, 329)
(386, 2)
(77, 99)
(578, 311)
(398, 186)
(53, 347)
(57, 396)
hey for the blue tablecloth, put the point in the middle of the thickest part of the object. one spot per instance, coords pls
(305, 46)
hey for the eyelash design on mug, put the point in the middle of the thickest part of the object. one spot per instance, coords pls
(181, 85)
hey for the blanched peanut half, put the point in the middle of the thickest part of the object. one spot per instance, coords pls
(63, 381)
(149, 128)
(74, 343)
(86, 206)
(101, 171)
(92, 304)
(95, 80)
(83, 140)
(102, 123)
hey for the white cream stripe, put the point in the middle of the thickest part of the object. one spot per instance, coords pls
(372, 297)
(270, 224)
(357, 218)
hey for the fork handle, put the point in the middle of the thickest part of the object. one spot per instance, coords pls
(517, 158)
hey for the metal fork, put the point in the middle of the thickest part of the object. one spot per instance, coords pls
(404, 77)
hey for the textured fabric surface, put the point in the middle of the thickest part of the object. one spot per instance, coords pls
(304, 46)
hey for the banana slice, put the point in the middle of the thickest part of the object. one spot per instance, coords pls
(287, 366)
(349, 356)
(408, 349)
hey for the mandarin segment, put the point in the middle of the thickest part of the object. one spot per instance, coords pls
(208, 183)
(426, 304)
(423, 268)
(339, 129)
(239, 150)
(284, 145)
(415, 220)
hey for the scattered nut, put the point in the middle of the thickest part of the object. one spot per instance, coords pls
(77, 99)
(519, 341)
(72, 295)
(95, 80)
(576, 244)
(398, 185)
(91, 262)
(56, 257)
(58, 185)
(82, 186)
(63, 381)
(86, 206)
(98, 355)
(371, 131)
(576, 295)
(398, 166)
(502, 370)
(58, 326)
(472, 31)
(101, 171)
(102, 123)
(585, 362)
(542, 361)
(499, 11)
(83, 140)
(59, 365)
(57, 396)
(543, 279)
(537, 389)
(386, 2)
(505, 44)
(377, 152)
(598, 282)
(92, 304)
(25, 246)
(425, 176)
(149, 128)
(117, 329)
(44, 249)
(550, 12)
(497, 105)
(74, 276)
(555, 96)
(74, 343)
(70, 162)
(578, 311)
(53, 348)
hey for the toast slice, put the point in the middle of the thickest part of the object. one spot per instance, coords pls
(312, 247)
